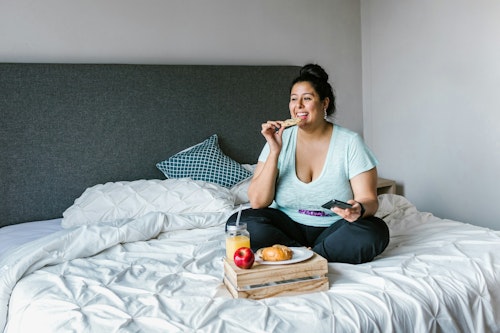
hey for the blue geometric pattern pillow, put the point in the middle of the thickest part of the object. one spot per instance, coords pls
(205, 161)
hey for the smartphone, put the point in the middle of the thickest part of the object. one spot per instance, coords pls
(336, 203)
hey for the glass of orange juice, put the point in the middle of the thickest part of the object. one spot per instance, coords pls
(237, 236)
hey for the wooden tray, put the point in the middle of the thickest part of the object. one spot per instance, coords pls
(262, 281)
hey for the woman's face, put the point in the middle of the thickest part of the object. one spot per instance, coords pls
(306, 104)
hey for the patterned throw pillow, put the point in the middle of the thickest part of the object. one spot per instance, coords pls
(205, 161)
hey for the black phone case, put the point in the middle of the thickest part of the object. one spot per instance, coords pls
(336, 203)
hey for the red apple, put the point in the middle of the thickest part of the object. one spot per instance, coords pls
(244, 257)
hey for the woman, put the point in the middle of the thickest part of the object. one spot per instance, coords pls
(302, 167)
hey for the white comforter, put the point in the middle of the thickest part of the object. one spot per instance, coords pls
(163, 273)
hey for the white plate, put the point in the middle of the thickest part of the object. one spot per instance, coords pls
(299, 254)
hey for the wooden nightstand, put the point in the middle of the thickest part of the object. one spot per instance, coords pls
(386, 186)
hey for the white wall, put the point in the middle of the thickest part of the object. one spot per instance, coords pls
(431, 83)
(277, 32)
(430, 70)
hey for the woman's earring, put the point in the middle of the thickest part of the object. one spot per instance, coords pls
(326, 115)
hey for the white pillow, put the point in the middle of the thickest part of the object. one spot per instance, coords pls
(119, 200)
(240, 190)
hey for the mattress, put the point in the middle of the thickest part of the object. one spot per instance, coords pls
(163, 271)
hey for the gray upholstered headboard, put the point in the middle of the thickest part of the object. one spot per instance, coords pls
(65, 127)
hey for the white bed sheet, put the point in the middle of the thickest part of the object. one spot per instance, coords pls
(161, 273)
(12, 236)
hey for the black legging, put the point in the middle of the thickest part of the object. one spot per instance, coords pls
(348, 242)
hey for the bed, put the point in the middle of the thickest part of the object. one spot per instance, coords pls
(104, 231)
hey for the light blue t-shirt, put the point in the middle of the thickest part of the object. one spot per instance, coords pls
(347, 157)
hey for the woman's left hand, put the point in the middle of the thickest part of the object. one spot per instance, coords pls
(349, 214)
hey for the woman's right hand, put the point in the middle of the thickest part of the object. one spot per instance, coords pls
(273, 132)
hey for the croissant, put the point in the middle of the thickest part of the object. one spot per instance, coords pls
(276, 252)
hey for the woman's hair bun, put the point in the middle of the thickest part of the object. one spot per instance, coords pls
(314, 70)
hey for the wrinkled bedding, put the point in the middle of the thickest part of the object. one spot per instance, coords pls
(162, 272)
